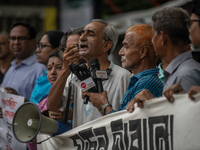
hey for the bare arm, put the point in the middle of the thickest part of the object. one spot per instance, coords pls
(54, 101)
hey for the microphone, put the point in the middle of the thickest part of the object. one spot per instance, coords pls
(87, 74)
(94, 65)
(82, 74)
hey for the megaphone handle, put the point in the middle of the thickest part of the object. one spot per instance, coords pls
(86, 99)
(68, 103)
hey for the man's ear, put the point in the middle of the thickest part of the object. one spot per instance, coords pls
(107, 46)
(143, 52)
(164, 38)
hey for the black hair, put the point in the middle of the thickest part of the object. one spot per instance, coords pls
(58, 54)
(171, 20)
(31, 30)
(110, 34)
(54, 37)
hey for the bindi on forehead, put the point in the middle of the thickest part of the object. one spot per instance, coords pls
(52, 63)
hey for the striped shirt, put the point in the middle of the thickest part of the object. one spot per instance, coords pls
(147, 79)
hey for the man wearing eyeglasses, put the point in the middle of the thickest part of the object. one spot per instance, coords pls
(194, 25)
(21, 76)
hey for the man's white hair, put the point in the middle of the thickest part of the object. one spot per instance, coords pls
(110, 34)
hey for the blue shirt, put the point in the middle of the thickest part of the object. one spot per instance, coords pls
(41, 88)
(147, 79)
(23, 77)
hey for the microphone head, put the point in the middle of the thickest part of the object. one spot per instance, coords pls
(94, 64)
(94, 61)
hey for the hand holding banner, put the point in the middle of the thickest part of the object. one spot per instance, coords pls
(159, 125)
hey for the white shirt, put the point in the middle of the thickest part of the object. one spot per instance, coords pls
(115, 86)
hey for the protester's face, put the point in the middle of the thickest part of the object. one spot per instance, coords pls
(195, 30)
(54, 66)
(21, 48)
(91, 40)
(130, 54)
(74, 40)
(156, 42)
(4, 47)
(44, 50)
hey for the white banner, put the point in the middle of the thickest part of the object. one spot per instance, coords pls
(9, 104)
(160, 125)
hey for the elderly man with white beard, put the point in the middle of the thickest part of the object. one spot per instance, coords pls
(138, 56)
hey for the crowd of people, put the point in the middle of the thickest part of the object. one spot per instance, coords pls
(45, 78)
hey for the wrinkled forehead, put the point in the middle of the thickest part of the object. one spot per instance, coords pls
(73, 39)
(97, 27)
(129, 36)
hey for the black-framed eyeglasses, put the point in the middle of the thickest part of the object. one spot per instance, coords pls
(41, 46)
(21, 39)
(190, 21)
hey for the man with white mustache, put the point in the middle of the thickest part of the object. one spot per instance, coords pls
(171, 44)
(98, 40)
(138, 56)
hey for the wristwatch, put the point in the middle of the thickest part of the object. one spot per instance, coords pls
(104, 107)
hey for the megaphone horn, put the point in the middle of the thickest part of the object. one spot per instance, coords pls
(28, 122)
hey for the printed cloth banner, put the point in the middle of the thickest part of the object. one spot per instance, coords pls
(160, 125)
(9, 104)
